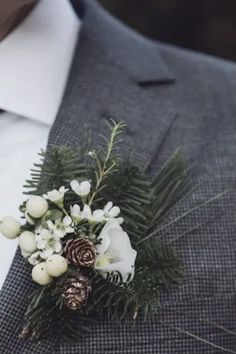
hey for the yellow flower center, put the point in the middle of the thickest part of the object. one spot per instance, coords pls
(103, 260)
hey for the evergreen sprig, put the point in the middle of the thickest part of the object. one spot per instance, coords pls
(144, 201)
(58, 166)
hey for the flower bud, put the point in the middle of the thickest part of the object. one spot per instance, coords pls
(40, 274)
(56, 265)
(36, 206)
(27, 242)
(9, 227)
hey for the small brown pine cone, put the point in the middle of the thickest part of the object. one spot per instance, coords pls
(76, 291)
(80, 252)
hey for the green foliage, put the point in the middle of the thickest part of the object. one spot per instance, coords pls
(46, 310)
(58, 166)
(145, 201)
(121, 301)
(163, 265)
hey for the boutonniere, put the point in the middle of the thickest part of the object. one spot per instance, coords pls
(88, 234)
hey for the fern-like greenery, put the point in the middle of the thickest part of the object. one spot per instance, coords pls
(144, 201)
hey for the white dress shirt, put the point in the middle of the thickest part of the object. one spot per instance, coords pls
(35, 60)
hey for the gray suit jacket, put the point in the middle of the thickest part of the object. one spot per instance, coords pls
(168, 97)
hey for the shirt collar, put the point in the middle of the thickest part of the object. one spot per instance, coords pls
(35, 60)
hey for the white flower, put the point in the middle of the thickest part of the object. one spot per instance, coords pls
(92, 153)
(87, 212)
(82, 189)
(34, 258)
(75, 212)
(98, 216)
(45, 250)
(48, 239)
(115, 253)
(111, 211)
(93, 217)
(56, 196)
(47, 243)
(60, 228)
(43, 238)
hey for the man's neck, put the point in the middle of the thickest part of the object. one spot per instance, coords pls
(14, 19)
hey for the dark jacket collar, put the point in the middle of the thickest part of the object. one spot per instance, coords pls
(143, 63)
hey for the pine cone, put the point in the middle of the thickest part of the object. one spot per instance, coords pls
(76, 291)
(80, 252)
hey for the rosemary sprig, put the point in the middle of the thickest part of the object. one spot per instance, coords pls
(105, 165)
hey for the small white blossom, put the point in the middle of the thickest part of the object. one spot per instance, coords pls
(61, 228)
(43, 238)
(34, 258)
(96, 216)
(47, 244)
(92, 153)
(82, 189)
(111, 211)
(75, 212)
(87, 212)
(56, 196)
(48, 252)
(48, 239)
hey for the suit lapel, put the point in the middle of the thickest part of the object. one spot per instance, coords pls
(110, 78)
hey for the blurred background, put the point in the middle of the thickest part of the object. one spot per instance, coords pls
(204, 25)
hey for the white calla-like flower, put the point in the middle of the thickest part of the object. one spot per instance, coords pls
(82, 189)
(115, 253)
(111, 211)
(56, 195)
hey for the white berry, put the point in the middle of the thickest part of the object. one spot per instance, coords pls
(40, 274)
(9, 227)
(36, 206)
(56, 265)
(27, 242)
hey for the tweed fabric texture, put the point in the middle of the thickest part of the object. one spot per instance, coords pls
(169, 98)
